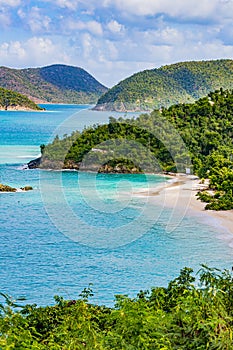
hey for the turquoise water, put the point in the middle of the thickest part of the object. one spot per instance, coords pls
(75, 229)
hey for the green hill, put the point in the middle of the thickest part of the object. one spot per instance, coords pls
(152, 142)
(182, 82)
(53, 84)
(13, 100)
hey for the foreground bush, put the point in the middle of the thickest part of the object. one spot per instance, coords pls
(187, 314)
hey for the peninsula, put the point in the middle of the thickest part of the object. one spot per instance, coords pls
(11, 100)
(131, 146)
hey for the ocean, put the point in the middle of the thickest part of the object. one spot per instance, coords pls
(74, 228)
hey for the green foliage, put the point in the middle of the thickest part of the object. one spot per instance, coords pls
(54, 84)
(13, 99)
(189, 313)
(138, 145)
(182, 82)
(218, 167)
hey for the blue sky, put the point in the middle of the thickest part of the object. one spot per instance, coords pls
(113, 39)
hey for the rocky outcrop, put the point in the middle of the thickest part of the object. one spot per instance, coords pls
(6, 188)
(35, 163)
(26, 188)
(116, 168)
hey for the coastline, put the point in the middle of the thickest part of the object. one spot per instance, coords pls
(19, 109)
(179, 194)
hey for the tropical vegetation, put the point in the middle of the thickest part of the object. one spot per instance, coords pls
(11, 99)
(183, 82)
(190, 313)
(196, 136)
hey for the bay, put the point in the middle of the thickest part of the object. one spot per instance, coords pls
(39, 260)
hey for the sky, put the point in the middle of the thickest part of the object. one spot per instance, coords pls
(112, 39)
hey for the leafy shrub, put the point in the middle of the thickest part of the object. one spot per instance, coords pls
(189, 313)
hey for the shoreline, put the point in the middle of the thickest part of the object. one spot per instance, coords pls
(180, 195)
(20, 109)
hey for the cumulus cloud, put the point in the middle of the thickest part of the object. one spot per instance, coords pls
(93, 27)
(33, 52)
(69, 4)
(5, 19)
(10, 3)
(180, 8)
(13, 50)
(113, 39)
(164, 36)
(35, 19)
(115, 27)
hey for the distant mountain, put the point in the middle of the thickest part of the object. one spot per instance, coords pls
(53, 84)
(13, 100)
(177, 83)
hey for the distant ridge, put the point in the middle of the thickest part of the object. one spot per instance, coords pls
(57, 83)
(182, 82)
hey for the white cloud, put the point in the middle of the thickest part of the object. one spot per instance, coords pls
(14, 50)
(5, 18)
(10, 3)
(113, 39)
(165, 36)
(115, 27)
(69, 4)
(87, 45)
(33, 52)
(180, 8)
(93, 27)
(35, 20)
(112, 50)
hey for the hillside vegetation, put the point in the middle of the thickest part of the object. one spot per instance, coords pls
(189, 313)
(182, 82)
(197, 135)
(53, 84)
(13, 100)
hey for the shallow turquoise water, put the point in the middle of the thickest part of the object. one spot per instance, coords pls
(110, 242)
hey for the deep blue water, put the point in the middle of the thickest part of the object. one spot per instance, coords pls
(75, 229)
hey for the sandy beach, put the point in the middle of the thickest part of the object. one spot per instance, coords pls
(179, 193)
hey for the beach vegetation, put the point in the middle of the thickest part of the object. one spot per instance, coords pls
(191, 312)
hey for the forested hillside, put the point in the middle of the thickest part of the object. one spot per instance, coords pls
(13, 100)
(182, 82)
(151, 143)
(54, 84)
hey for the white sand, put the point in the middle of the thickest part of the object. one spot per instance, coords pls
(180, 195)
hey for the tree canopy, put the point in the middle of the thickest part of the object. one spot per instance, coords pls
(169, 139)
(182, 82)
